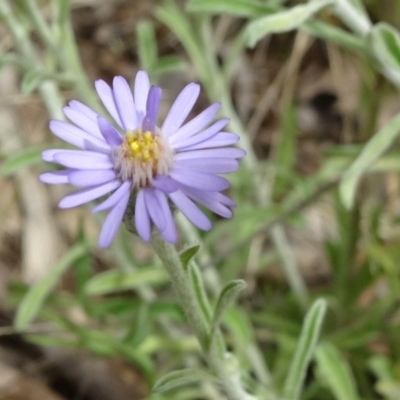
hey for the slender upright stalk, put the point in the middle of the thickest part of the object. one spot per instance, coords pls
(227, 373)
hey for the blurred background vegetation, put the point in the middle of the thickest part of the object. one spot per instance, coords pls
(104, 324)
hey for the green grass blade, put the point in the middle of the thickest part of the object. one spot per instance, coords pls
(283, 21)
(240, 8)
(336, 372)
(305, 350)
(115, 281)
(34, 299)
(24, 158)
(375, 147)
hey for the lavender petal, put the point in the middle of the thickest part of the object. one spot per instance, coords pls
(142, 218)
(48, 155)
(169, 232)
(196, 124)
(108, 132)
(200, 137)
(83, 159)
(176, 142)
(221, 139)
(56, 177)
(77, 137)
(88, 194)
(225, 200)
(112, 222)
(199, 180)
(190, 210)
(165, 184)
(114, 198)
(141, 91)
(82, 120)
(180, 109)
(209, 165)
(78, 106)
(106, 96)
(153, 102)
(230, 152)
(124, 102)
(208, 200)
(91, 177)
(154, 208)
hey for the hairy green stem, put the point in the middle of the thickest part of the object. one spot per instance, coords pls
(149, 296)
(182, 287)
(227, 372)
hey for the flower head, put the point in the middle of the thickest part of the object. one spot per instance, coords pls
(177, 163)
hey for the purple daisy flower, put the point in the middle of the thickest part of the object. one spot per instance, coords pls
(178, 163)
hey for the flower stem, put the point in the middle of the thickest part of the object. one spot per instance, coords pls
(182, 287)
(220, 365)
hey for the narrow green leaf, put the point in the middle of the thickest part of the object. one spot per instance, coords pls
(168, 64)
(31, 80)
(138, 331)
(226, 298)
(182, 377)
(238, 322)
(34, 299)
(384, 43)
(285, 153)
(305, 349)
(144, 363)
(197, 282)
(387, 163)
(240, 8)
(115, 281)
(283, 21)
(381, 367)
(98, 342)
(359, 6)
(383, 258)
(188, 253)
(11, 58)
(62, 10)
(146, 44)
(336, 372)
(375, 147)
(286, 149)
(326, 31)
(23, 158)
(177, 21)
(51, 340)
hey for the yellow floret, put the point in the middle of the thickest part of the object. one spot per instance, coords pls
(135, 147)
(143, 146)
